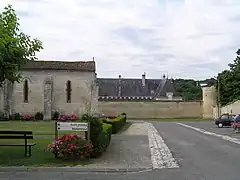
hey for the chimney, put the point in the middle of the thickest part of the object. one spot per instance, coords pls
(164, 76)
(119, 85)
(144, 79)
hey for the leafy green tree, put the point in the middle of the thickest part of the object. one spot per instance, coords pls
(191, 89)
(16, 48)
(230, 82)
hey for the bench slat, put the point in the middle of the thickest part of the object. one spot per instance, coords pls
(29, 144)
(16, 132)
(15, 137)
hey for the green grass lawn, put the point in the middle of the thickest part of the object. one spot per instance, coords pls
(43, 135)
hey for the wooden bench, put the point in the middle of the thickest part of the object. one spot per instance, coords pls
(25, 135)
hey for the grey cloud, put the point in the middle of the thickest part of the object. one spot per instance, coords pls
(137, 36)
(26, 14)
(77, 53)
(235, 19)
(200, 35)
(213, 66)
(30, 1)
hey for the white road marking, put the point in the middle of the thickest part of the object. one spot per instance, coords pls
(224, 137)
(161, 155)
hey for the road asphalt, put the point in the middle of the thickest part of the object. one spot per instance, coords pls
(199, 156)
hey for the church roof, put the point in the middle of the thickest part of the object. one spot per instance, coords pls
(134, 87)
(61, 65)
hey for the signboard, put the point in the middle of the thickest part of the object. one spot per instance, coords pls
(71, 126)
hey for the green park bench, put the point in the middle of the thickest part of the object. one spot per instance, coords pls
(24, 135)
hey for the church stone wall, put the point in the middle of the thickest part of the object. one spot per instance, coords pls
(1, 99)
(156, 109)
(80, 94)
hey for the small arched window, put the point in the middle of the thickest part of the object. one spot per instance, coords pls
(69, 90)
(25, 91)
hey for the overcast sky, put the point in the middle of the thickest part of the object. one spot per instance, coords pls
(183, 38)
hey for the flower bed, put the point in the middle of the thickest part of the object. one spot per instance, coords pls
(67, 117)
(71, 146)
(236, 126)
(27, 117)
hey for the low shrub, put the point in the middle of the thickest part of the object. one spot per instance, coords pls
(111, 117)
(116, 123)
(123, 114)
(27, 117)
(38, 116)
(67, 117)
(3, 118)
(71, 146)
(236, 125)
(16, 116)
(55, 115)
(100, 134)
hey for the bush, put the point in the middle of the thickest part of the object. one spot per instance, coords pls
(116, 123)
(111, 117)
(16, 116)
(71, 146)
(38, 116)
(123, 114)
(67, 117)
(55, 115)
(100, 134)
(27, 117)
(3, 118)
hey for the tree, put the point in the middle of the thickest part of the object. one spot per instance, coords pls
(16, 48)
(230, 82)
(190, 89)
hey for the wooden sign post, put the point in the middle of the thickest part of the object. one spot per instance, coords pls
(72, 126)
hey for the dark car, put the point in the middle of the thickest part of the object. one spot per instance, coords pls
(225, 120)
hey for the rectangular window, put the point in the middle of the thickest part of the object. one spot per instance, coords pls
(25, 91)
(69, 91)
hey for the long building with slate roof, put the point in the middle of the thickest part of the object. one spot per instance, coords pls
(137, 89)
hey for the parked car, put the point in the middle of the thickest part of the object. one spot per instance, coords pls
(225, 120)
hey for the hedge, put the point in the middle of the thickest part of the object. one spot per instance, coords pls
(116, 123)
(100, 135)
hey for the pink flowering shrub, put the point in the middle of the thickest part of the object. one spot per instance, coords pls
(236, 125)
(70, 146)
(27, 117)
(67, 117)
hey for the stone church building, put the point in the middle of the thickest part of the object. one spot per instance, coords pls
(67, 87)
(73, 87)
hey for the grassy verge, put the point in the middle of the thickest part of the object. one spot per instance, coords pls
(43, 135)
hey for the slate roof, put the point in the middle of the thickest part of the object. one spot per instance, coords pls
(134, 88)
(61, 65)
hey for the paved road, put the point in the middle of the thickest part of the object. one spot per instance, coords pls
(200, 157)
(210, 126)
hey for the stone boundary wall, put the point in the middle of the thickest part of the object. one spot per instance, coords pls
(152, 109)
(233, 108)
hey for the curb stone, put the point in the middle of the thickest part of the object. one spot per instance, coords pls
(72, 169)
